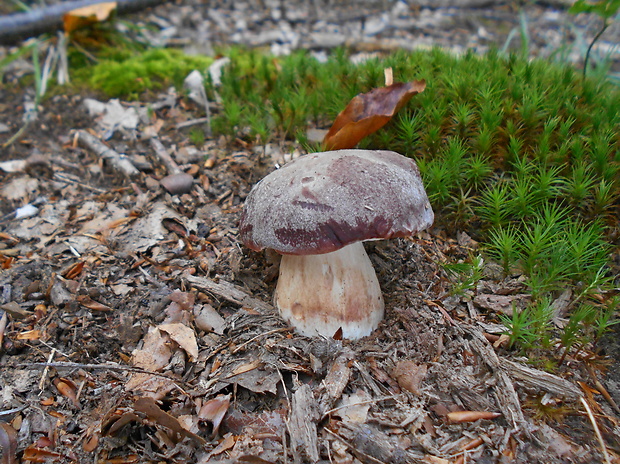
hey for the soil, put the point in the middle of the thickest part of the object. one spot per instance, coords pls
(140, 329)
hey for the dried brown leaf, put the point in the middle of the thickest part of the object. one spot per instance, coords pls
(91, 304)
(91, 443)
(67, 389)
(120, 422)
(149, 407)
(409, 375)
(250, 459)
(368, 112)
(74, 271)
(245, 367)
(8, 444)
(227, 443)
(34, 454)
(129, 459)
(184, 336)
(214, 411)
(184, 299)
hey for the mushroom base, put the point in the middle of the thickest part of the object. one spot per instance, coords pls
(319, 294)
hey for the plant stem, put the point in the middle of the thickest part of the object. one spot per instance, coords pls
(596, 37)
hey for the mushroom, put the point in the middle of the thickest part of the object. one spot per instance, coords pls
(316, 211)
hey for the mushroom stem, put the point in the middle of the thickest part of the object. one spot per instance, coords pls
(322, 293)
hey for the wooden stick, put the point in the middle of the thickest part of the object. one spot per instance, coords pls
(118, 162)
(596, 430)
(162, 154)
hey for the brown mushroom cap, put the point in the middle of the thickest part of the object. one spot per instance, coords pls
(323, 201)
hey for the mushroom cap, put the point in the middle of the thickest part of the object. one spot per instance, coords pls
(322, 202)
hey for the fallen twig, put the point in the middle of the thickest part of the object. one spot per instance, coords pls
(171, 166)
(9, 412)
(596, 430)
(601, 388)
(46, 369)
(109, 367)
(192, 122)
(117, 161)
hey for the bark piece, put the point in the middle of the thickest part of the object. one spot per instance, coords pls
(229, 292)
(335, 382)
(302, 426)
(507, 398)
(539, 380)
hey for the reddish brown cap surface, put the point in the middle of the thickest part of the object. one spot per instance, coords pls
(324, 201)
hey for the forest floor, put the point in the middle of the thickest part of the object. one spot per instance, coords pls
(137, 328)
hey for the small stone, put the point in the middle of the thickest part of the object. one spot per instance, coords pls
(177, 184)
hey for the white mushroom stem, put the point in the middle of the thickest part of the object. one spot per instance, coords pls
(318, 294)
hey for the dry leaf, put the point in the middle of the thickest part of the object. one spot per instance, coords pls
(154, 355)
(250, 459)
(435, 460)
(184, 299)
(91, 304)
(116, 424)
(149, 407)
(368, 112)
(502, 303)
(34, 454)
(245, 368)
(67, 389)
(47, 401)
(214, 411)
(227, 443)
(208, 319)
(8, 444)
(409, 375)
(85, 16)
(74, 271)
(155, 352)
(254, 424)
(257, 380)
(354, 407)
(471, 416)
(183, 336)
(91, 443)
(129, 459)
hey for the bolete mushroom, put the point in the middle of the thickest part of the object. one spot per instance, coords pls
(316, 211)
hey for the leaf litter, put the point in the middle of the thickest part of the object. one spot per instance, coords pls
(144, 332)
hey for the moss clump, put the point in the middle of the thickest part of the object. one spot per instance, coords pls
(127, 77)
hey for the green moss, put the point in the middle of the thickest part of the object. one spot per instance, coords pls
(125, 75)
